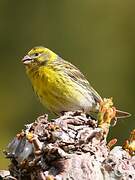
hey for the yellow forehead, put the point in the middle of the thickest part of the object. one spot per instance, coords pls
(47, 53)
(39, 49)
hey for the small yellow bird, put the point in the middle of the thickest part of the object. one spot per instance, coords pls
(59, 85)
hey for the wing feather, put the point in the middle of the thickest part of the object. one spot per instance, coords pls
(75, 74)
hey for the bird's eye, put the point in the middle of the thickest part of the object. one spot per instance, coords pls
(36, 54)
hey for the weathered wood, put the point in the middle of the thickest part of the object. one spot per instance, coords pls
(69, 147)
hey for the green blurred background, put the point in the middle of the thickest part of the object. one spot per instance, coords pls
(97, 36)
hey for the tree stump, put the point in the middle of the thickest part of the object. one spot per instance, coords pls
(71, 147)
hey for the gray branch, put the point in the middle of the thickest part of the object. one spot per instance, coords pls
(71, 147)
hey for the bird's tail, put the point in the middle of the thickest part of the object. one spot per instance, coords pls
(122, 114)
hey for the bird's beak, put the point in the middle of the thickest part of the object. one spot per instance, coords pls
(27, 59)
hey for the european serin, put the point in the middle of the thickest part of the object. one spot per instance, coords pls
(59, 85)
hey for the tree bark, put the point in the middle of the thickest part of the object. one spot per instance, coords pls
(71, 147)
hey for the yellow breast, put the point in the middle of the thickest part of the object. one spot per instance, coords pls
(54, 90)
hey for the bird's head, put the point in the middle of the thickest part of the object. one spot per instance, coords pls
(38, 56)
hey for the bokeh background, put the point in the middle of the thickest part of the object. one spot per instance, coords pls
(97, 36)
